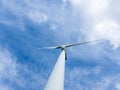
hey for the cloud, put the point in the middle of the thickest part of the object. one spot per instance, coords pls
(75, 2)
(7, 68)
(14, 74)
(6, 22)
(118, 86)
(108, 83)
(106, 30)
(23, 10)
(28, 79)
(99, 23)
(94, 13)
(103, 84)
(91, 79)
(7, 65)
(53, 27)
(4, 87)
(78, 77)
(38, 17)
(86, 19)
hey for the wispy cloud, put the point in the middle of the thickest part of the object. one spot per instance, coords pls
(6, 22)
(13, 72)
(68, 21)
(82, 78)
(117, 86)
(38, 17)
(98, 20)
(7, 68)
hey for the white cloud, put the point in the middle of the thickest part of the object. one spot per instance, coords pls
(107, 82)
(77, 75)
(6, 22)
(35, 80)
(106, 30)
(96, 7)
(7, 67)
(37, 17)
(30, 10)
(103, 84)
(7, 64)
(76, 2)
(82, 79)
(64, 1)
(90, 7)
(4, 87)
(14, 72)
(53, 27)
(98, 21)
(118, 86)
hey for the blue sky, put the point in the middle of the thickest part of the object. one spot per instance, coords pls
(26, 25)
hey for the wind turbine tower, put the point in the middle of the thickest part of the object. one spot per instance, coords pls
(56, 79)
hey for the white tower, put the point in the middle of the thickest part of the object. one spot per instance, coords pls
(56, 79)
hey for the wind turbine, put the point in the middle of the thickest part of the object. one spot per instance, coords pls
(56, 78)
(63, 47)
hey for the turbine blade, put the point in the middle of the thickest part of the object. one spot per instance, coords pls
(47, 48)
(80, 43)
(53, 47)
(66, 46)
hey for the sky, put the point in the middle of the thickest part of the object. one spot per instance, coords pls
(26, 25)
